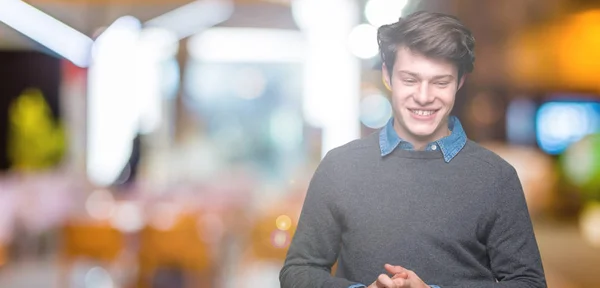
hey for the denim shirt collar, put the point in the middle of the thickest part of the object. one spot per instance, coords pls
(449, 145)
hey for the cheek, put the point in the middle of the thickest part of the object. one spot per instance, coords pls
(447, 97)
(398, 100)
(400, 94)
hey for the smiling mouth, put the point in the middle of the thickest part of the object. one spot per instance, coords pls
(421, 112)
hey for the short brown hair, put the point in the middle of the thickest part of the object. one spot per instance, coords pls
(431, 34)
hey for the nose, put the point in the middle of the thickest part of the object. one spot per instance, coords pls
(422, 96)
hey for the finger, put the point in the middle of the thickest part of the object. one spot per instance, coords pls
(384, 281)
(401, 275)
(401, 283)
(395, 269)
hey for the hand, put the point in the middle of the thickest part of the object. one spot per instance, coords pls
(403, 278)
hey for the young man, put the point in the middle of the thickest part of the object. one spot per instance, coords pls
(416, 204)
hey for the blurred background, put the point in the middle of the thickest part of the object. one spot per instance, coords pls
(170, 143)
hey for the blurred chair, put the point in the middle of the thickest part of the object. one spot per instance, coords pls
(3, 255)
(265, 248)
(91, 240)
(267, 241)
(178, 248)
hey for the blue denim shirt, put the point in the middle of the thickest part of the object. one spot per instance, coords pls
(449, 145)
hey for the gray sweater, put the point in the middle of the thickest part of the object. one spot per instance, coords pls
(459, 224)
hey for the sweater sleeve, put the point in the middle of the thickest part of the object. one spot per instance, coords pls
(512, 248)
(317, 240)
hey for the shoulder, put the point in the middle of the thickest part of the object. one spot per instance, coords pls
(348, 158)
(482, 157)
(357, 150)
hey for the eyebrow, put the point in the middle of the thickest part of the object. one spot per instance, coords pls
(437, 77)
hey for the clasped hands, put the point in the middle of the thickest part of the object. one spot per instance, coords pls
(402, 278)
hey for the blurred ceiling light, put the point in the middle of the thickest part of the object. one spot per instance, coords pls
(193, 17)
(158, 43)
(363, 41)
(382, 12)
(113, 116)
(121, 34)
(249, 45)
(46, 30)
(316, 14)
(155, 47)
(330, 101)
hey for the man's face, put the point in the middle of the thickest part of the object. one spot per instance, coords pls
(423, 93)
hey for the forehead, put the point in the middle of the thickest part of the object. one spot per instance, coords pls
(415, 62)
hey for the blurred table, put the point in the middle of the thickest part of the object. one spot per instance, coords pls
(568, 260)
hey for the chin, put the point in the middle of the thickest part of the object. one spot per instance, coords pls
(423, 129)
(423, 133)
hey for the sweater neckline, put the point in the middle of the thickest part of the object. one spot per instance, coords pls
(417, 154)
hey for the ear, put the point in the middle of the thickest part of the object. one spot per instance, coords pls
(386, 77)
(461, 81)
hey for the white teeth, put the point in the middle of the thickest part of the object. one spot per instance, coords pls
(423, 112)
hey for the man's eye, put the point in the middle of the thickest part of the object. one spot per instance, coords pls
(442, 84)
(409, 81)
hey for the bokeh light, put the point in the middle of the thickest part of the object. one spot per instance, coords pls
(164, 216)
(382, 12)
(589, 223)
(280, 239)
(362, 41)
(581, 164)
(98, 277)
(100, 204)
(283, 222)
(559, 124)
(375, 111)
(251, 83)
(127, 217)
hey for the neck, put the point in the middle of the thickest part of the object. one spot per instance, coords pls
(420, 142)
